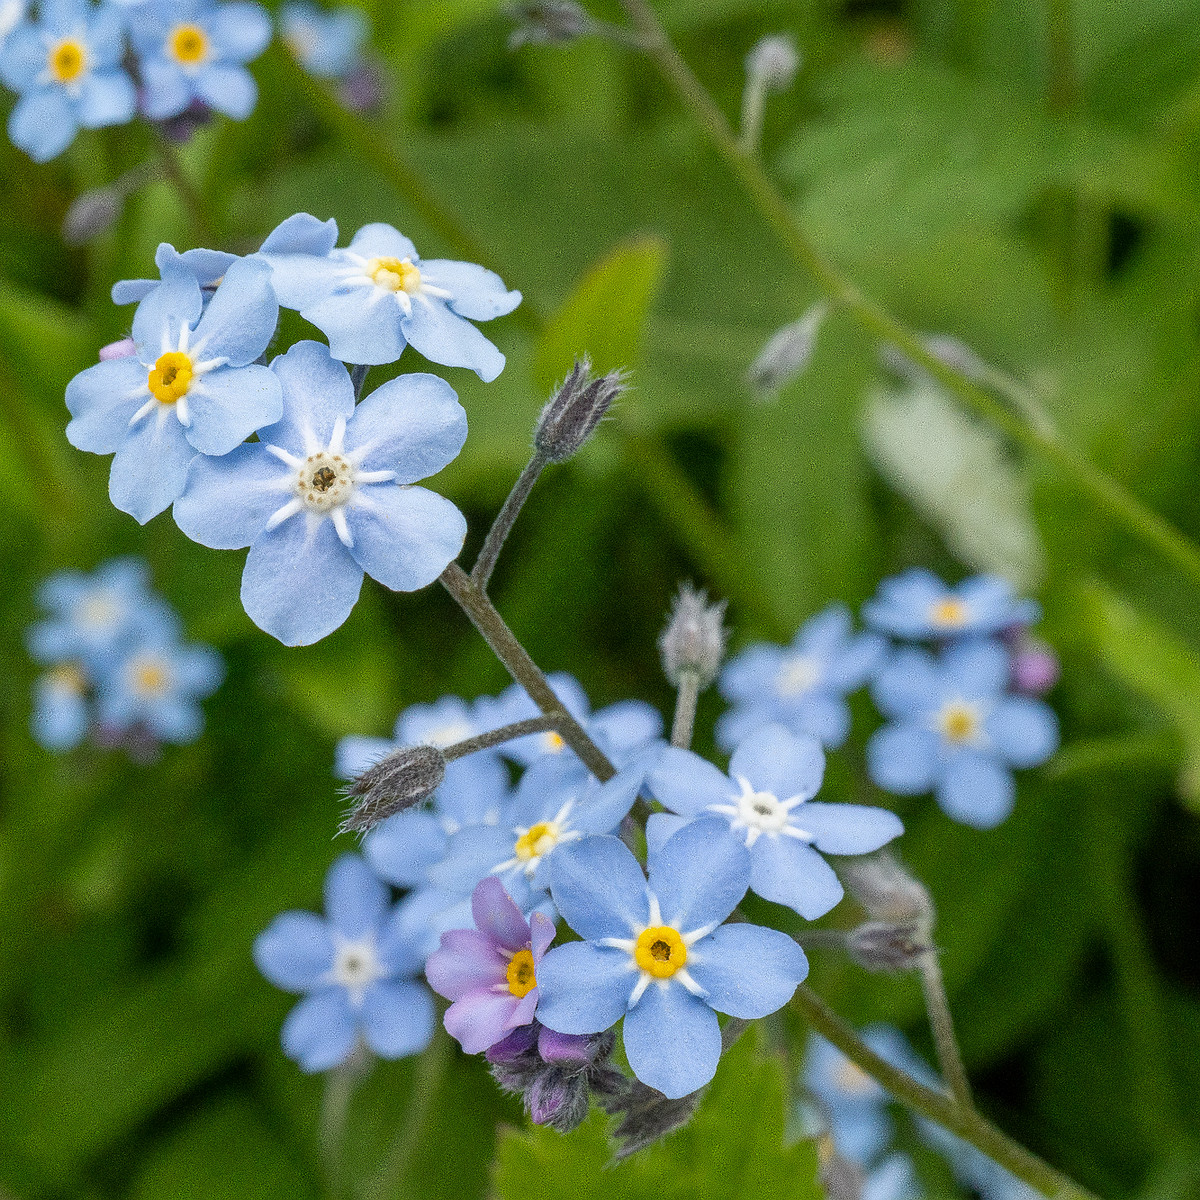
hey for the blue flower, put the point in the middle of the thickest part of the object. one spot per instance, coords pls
(658, 954)
(67, 68)
(208, 266)
(61, 714)
(189, 388)
(919, 605)
(357, 971)
(327, 494)
(376, 296)
(196, 50)
(764, 804)
(326, 44)
(956, 731)
(802, 686)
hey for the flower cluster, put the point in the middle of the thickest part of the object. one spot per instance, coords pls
(326, 491)
(329, 45)
(116, 664)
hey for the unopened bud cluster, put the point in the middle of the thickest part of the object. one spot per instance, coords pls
(693, 643)
(547, 22)
(885, 946)
(574, 411)
(887, 891)
(399, 781)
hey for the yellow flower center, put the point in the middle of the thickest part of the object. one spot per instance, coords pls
(150, 678)
(171, 376)
(67, 60)
(189, 44)
(949, 614)
(660, 951)
(552, 743)
(395, 274)
(68, 677)
(959, 722)
(537, 840)
(520, 976)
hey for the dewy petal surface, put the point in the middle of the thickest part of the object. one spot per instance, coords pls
(583, 988)
(672, 1040)
(747, 971)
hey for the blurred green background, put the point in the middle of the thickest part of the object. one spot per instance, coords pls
(1022, 176)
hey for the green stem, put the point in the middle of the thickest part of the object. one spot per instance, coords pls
(335, 1108)
(965, 1122)
(1106, 493)
(506, 733)
(188, 192)
(485, 564)
(685, 710)
(937, 1005)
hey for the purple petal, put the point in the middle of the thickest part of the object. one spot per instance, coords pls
(497, 916)
(466, 961)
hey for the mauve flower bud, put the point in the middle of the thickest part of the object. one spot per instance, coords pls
(92, 214)
(122, 349)
(887, 891)
(393, 784)
(520, 1042)
(362, 90)
(884, 946)
(1035, 667)
(774, 60)
(570, 1050)
(547, 22)
(574, 411)
(558, 1100)
(693, 643)
(787, 352)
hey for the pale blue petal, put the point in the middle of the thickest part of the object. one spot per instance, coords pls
(106, 98)
(301, 234)
(229, 404)
(166, 90)
(443, 337)
(404, 536)
(700, 875)
(60, 715)
(625, 727)
(821, 715)
(359, 331)
(903, 603)
(602, 805)
(209, 266)
(475, 292)
(106, 36)
(856, 663)
(227, 88)
(672, 1040)
(976, 791)
(785, 870)
(903, 759)
(688, 784)
(739, 723)
(847, 828)
(404, 847)
(355, 754)
(175, 302)
(102, 400)
(747, 971)
(43, 123)
(659, 827)
(397, 1018)
(319, 1032)
(977, 667)
(599, 888)
(472, 853)
(22, 57)
(149, 471)
(295, 951)
(823, 634)
(241, 317)
(474, 791)
(751, 674)
(300, 582)
(356, 902)
(239, 31)
(908, 682)
(317, 392)
(583, 988)
(378, 240)
(781, 763)
(1024, 731)
(228, 500)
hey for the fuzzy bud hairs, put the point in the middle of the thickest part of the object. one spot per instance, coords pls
(574, 411)
(693, 643)
(399, 781)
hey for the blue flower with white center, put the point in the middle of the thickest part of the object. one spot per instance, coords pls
(208, 266)
(327, 493)
(956, 731)
(61, 714)
(326, 44)
(765, 805)
(357, 970)
(658, 954)
(918, 605)
(377, 296)
(197, 50)
(67, 69)
(802, 686)
(191, 387)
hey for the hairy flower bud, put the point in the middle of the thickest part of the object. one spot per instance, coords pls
(1035, 667)
(774, 60)
(91, 215)
(649, 1115)
(693, 642)
(787, 352)
(393, 784)
(885, 946)
(574, 411)
(547, 22)
(887, 891)
(558, 1099)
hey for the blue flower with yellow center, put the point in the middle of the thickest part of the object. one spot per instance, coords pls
(917, 606)
(326, 44)
(657, 953)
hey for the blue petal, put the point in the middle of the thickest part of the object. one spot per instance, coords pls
(241, 317)
(22, 57)
(413, 928)
(475, 292)
(229, 89)
(106, 98)
(599, 888)
(583, 988)
(149, 470)
(776, 761)
(378, 240)
(300, 582)
(199, 670)
(1024, 731)
(820, 715)
(976, 791)
(228, 500)
(688, 784)
(102, 400)
(404, 847)
(295, 951)
(177, 301)
(903, 604)
(861, 658)
(228, 404)
(60, 715)
(903, 759)
(166, 90)
(404, 536)
(738, 723)
(785, 870)
(443, 337)
(747, 971)
(354, 754)
(209, 266)
(239, 31)
(909, 682)
(358, 330)
(355, 900)
(319, 1032)
(625, 727)
(474, 791)
(977, 667)
(751, 674)
(660, 827)
(413, 425)
(302, 234)
(397, 1018)
(672, 1040)
(317, 392)
(43, 123)
(700, 874)
(822, 635)
(472, 853)
(602, 805)
(847, 828)
(106, 36)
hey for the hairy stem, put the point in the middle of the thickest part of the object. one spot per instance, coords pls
(938, 1007)
(937, 1106)
(483, 615)
(485, 564)
(335, 1109)
(506, 733)
(188, 192)
(685, 710)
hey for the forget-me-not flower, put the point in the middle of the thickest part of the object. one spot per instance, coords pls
(802, 686)
(61, 714)
(765, 804)
(192, 387)
(918, 605)
(197, 50)
(327, 494)
(956, 731)
(67, 69)
(376, 296)
(357, 970)
(208, 266)
(326, 44)
(658, 954)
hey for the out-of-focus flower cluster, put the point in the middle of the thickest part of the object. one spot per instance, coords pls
(117, 667)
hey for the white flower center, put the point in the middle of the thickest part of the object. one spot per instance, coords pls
(759, 813)
(762, 811)
(356, 966)
(446, 735)
(797, 675)
(98, 611)
(325, 481)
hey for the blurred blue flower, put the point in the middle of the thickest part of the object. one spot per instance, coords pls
(208, 266)
(61, 714)
(378, 295)
(327, 494)
(802, 686)
(764, 804)
(67, 69)
(191, 387)
(197, 50)
(956, 731)
(918, 605)
(12, 13)
(356, 969)
(658, 954)
(326, 44)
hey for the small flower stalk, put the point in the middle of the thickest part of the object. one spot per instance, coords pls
(770, 67)
(575, 410)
